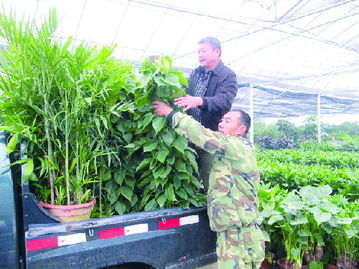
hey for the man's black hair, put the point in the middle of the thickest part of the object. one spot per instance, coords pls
(213, 41)
(245, 119)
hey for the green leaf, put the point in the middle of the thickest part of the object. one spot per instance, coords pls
(330, 207)
(168, 137)
(188, 188)
(171, 160)
(143, 164)
(131, 182)
(324, 191)
(303, 240)
(192, 158)
(311, 195)
(304, 233)
(181, 166)
(301, 219)
(166, 172)
(21, 161)
(176, 183)
(158, 172)
(150, 147)
(172, 79)
(161, 156)
(146, 120)
(182, 79)
(119, 176)
(134, 199)
(344, 220)
(112, 197)
(180, 143)
(275, 218)
(130, 146)
(120, 207)
(295, 252)
(158, 123)
(319, 239)
(11, 145)
(161, 200)
(169, 192)
(320, 216)
(181, 193)
(126, 192)
(28, 169)
(151, 205)
(164, 63)
(292, 203)
(127, 137)
(316, 265)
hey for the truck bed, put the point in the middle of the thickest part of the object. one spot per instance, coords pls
(168, 238)
(31, 238)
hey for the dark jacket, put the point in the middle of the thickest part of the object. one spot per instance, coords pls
(221, 90)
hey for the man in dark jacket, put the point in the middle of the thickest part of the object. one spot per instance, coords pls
(212, 88)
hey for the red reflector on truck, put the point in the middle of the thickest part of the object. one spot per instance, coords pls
(168, 223)
(172, 223)
(37, 244)
(109, 233)
(54, 242)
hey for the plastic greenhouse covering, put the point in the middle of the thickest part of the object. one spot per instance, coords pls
(288, 54)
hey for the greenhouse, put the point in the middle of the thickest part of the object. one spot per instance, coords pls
(78, 81)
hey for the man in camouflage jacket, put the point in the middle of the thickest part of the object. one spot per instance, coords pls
(233, 185)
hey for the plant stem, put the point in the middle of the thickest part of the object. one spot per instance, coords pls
(67, 150)
(49, 153)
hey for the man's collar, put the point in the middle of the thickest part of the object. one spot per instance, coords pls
(214, 70)
(218, 67)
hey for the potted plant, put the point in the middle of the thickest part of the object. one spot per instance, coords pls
(60, 100)
(269, 201)
(344, 238)
(304, 217)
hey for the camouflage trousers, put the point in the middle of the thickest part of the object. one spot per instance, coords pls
(240, 248)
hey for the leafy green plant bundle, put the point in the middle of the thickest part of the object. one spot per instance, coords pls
(160, 168)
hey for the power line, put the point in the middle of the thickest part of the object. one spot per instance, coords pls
(262, 28)
(287, 37)
(80, 19)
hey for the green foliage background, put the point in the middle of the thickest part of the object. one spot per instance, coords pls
(309, 199)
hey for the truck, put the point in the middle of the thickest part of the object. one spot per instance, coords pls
(32, 238)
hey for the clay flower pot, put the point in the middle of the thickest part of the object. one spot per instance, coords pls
(68, 213)
(330, 266)
(266, 264)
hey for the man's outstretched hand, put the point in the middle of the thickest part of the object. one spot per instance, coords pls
(188, 102)
(161, 108)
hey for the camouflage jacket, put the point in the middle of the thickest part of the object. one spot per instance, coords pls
(234, 180)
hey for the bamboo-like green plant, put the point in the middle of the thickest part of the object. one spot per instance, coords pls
(65, 103)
